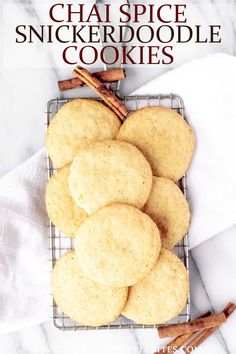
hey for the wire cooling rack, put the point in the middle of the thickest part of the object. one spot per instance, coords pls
(60, 243)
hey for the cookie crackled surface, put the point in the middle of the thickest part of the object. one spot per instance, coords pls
(110, 172)
(163, 136)
(82, 299)
(117, 245)
(61, 207)
(168, 208)
(162, 294)
(76, 124)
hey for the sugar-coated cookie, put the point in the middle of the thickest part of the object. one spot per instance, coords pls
(168, 208)
(82, 299)
(61, 207)
(110, 172)
(162, 294)
(117, 245)
(163, 136)
(78, 123)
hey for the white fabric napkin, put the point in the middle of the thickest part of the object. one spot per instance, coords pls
(24, 255)
(206, 86)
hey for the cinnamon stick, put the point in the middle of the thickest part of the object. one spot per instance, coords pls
(193, 326)
(104, 76)
(179, 341)
(95, 84)
(229, 309)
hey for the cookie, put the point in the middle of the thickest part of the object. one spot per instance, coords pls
(168, 208)
(82, 299)
(163, 136)
(161, 295)
(117, 245)
(110, 172)
(61, 207)
(78, 123)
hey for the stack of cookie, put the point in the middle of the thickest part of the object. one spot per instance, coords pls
(114, 191)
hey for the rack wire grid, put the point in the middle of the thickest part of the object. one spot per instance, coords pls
(60, 243)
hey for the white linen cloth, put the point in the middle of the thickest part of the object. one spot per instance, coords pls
(207, 88)
(24, 255)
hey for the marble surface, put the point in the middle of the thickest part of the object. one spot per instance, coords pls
(24, 91)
